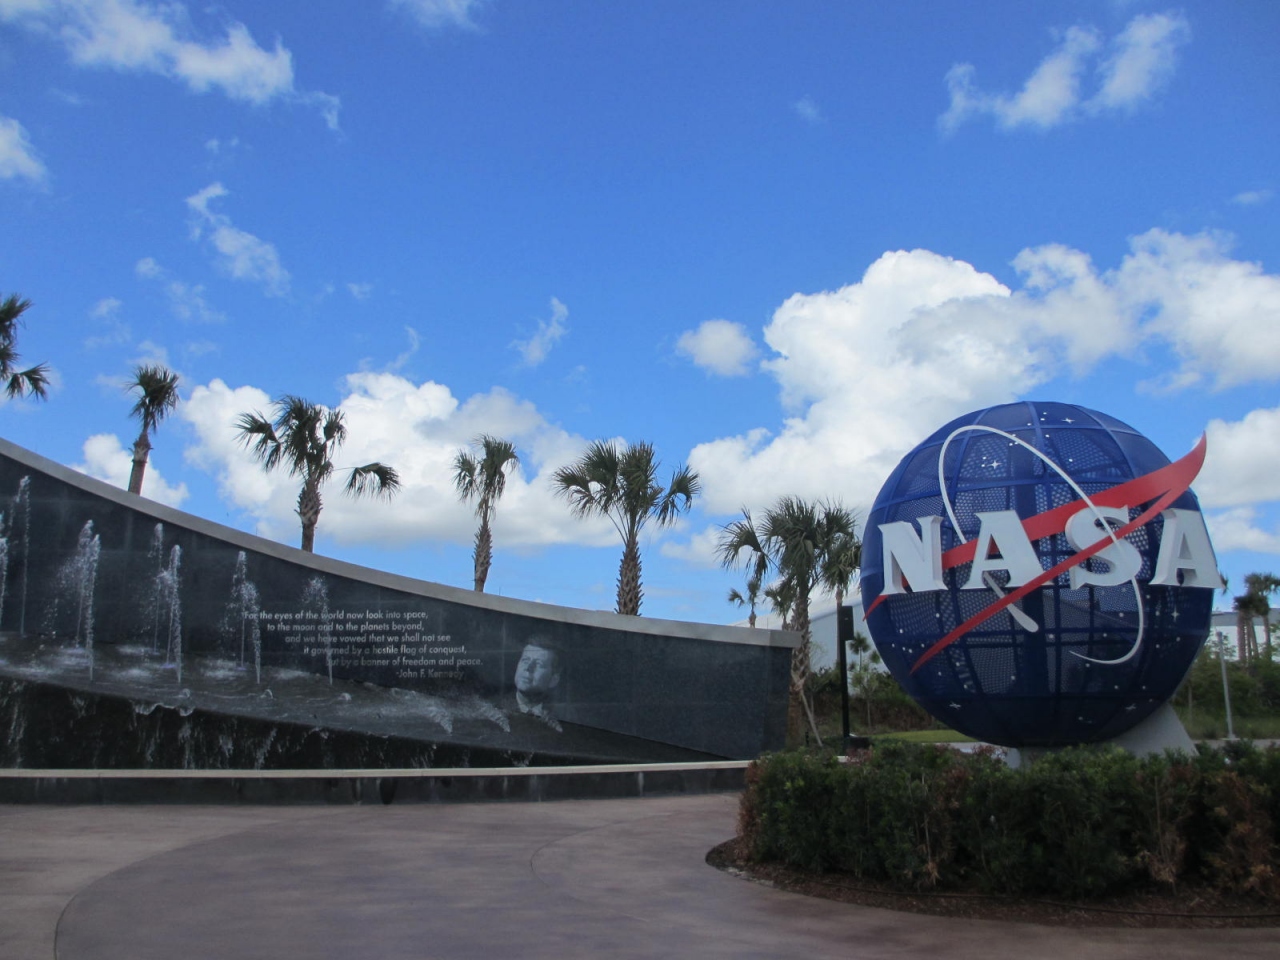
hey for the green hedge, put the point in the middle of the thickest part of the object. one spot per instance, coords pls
(1078, 823)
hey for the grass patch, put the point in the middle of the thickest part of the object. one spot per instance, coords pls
(1202, 725)
(929, 736)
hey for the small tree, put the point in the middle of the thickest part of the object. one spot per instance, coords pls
(303, 438)
(798, 539)
(157, 389)
(621, 484)
(484, 479)
(1259, 587)
(749, 599)
(862, 674)
(1247, 607)
(18, 383)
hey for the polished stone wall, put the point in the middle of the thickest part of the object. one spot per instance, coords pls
(113, 594)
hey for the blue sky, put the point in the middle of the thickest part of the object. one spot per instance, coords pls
(781, 242)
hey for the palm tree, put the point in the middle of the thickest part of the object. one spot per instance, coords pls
(841, 565)
(620, 484)
(1246, 636)
(157, 395)
(782, 601)
(304, 437)
(483, 479)
(799, 540)
(1258, 590)
(749, 599)
(34, 381)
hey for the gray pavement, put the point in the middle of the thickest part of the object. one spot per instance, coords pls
(598, 878)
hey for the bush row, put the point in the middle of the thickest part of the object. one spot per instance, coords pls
(1079, 823)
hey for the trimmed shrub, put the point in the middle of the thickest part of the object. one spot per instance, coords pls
(1078, 823)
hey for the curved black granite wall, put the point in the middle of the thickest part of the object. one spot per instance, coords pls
(109, 595)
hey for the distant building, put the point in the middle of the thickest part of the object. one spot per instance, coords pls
(1226, 623)
(822, 626)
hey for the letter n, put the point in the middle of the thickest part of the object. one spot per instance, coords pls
(911, 560)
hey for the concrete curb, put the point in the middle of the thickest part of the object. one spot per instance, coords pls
(300, 787)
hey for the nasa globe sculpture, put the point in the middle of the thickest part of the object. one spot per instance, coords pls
(1039, 574)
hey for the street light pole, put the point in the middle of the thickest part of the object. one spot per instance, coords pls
(1226, 691)
(844, 633)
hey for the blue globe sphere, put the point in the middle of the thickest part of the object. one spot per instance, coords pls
(1076, 658)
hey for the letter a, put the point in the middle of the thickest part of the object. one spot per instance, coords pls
(1003, 530)
(1185, 546)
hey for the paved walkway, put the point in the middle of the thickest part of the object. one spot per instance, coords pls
(610, 878)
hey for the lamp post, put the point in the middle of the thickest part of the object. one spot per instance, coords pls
(1226, 691)
(844, 633)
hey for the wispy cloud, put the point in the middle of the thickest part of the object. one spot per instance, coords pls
(1252, 198)
(437, 14)
(18, 158)
(185, 300)
(1141, 61)
(147, 37)
(1127, 72)
(807, 110)
(402, 360)
(361, 291)
(534, 350)
(106, 314)
(243, 255)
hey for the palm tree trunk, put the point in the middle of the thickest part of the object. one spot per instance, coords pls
(309, 505)
(141, 450)
(800, 660)
(629, 593)
(483, 555)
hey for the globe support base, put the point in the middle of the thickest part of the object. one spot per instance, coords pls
(1159, 732)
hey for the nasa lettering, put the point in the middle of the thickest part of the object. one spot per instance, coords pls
(1039, 574)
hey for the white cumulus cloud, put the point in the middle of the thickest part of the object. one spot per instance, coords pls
(866, 371)
(1221, 315)
(1243, 461)
(417, 428)
(719, 346)
(1241, 528)
(105, 458)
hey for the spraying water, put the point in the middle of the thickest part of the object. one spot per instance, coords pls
(4, 566)
(242, 613)
(20, 537)
(169, 608)
(77, 581)
(315, 601)
(155, 553)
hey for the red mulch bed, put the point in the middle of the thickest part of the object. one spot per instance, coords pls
(1188, 907)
